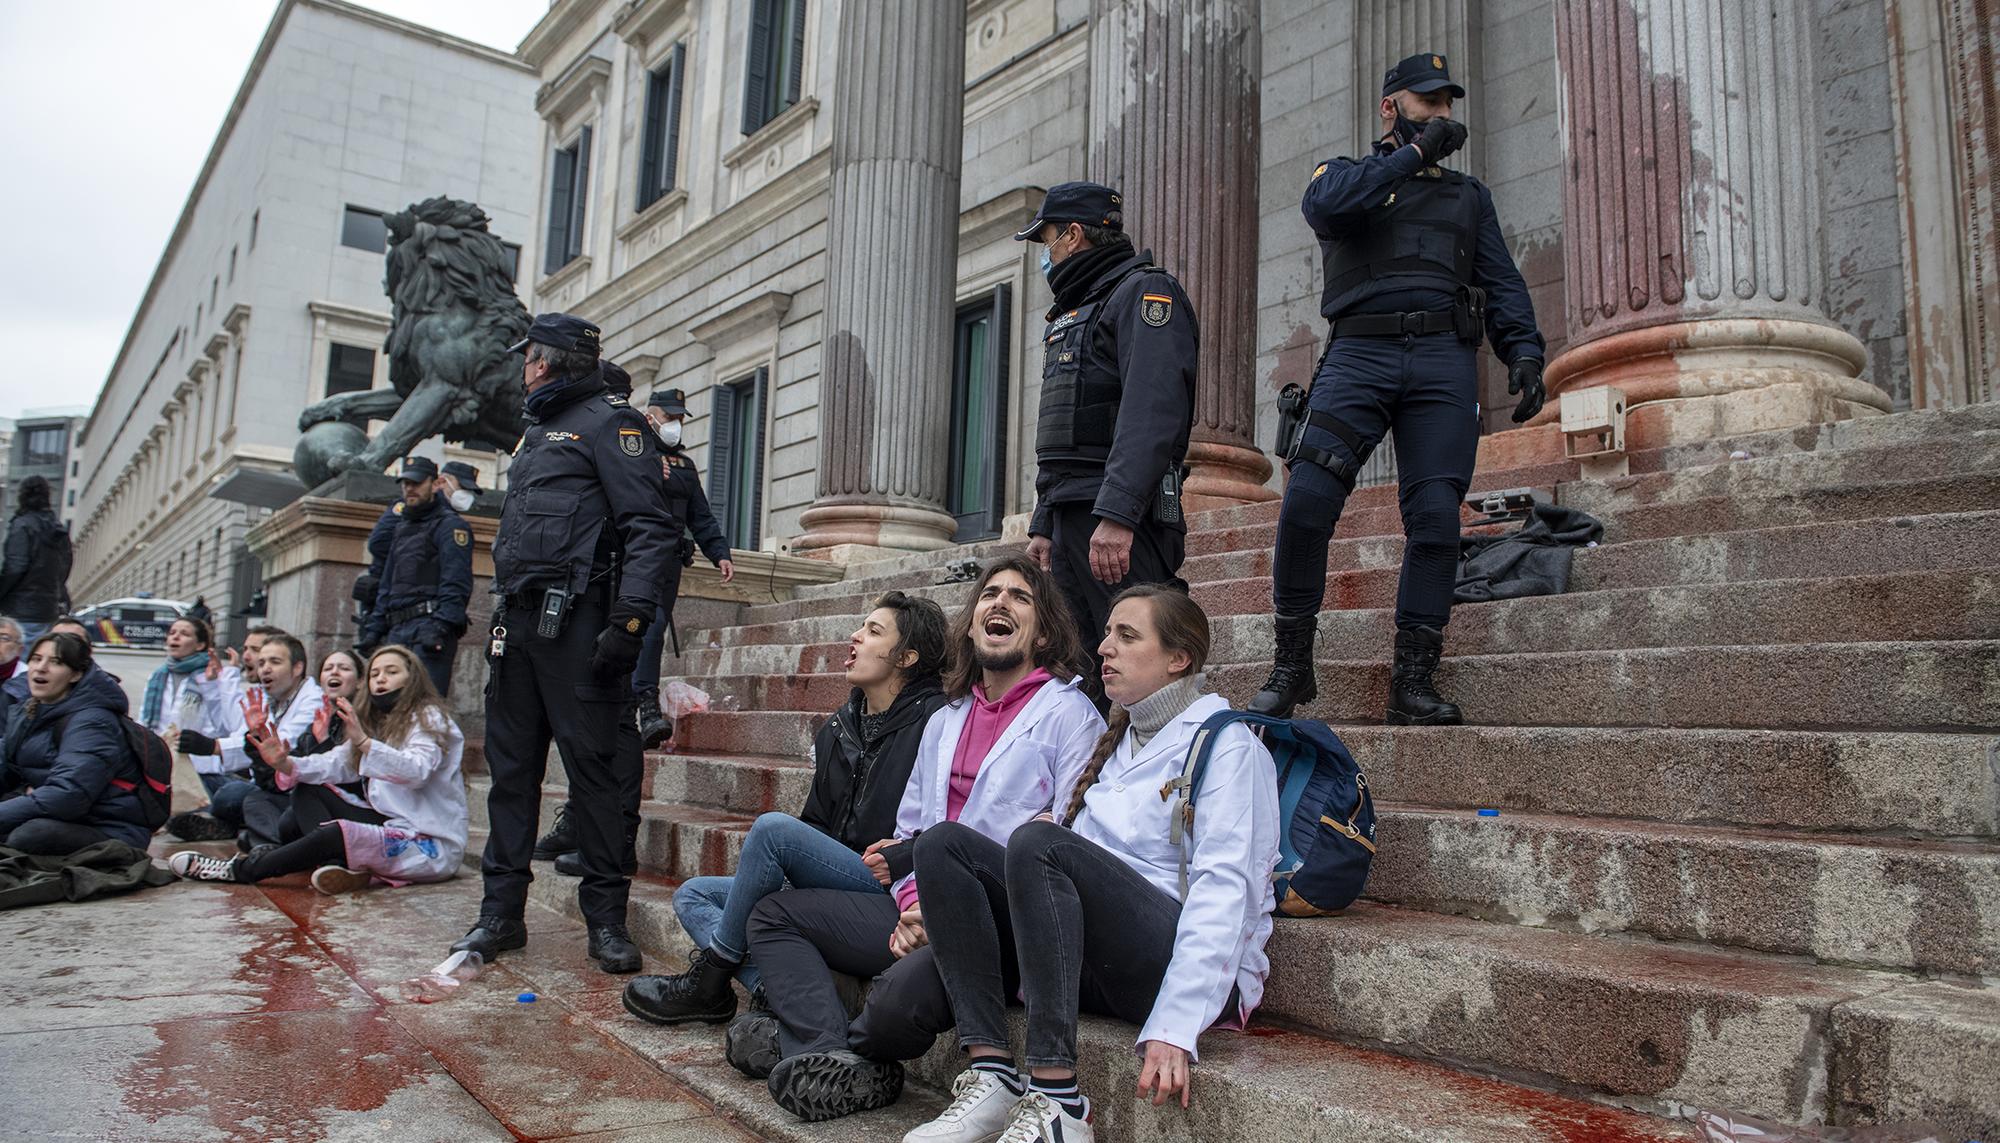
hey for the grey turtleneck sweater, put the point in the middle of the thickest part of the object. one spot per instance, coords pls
(1151, 714)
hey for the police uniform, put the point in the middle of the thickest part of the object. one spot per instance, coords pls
(1117, 405)
(368, 584)
(584, 542)
(426, 580)
(1416, 272)
(689, 504)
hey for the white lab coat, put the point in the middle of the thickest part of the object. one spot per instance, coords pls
(231, 756)
(192, 702)
(1033, 765)
(416, 786)
(1226, 917)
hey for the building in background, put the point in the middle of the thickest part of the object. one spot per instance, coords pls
(269, 296)
(43, 442)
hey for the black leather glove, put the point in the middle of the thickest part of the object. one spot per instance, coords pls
(1524, 378)
(617, 649)
(1440, 137)
(194, 743)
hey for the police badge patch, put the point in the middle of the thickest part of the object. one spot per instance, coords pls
(1156, 309)
(461, 537)
(631, 442)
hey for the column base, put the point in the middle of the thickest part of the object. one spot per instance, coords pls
(1714, 357)
(875, 525)
(1225, 475)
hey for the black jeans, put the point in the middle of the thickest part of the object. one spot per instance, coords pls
(52, 837)
(544, 689)
(314, 837)
(799, 938)
(1063, 915)
(1157, 552)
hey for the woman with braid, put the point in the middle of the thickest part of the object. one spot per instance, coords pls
(1088, 913)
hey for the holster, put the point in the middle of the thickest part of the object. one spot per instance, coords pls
(1295, 413)
(1468, 314)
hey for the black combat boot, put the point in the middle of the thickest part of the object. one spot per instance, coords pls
(560, 839)
(654, 725)
(1292, 682)
(571, 864)
(492, 935)
(1413, 700)
(701, 993)
(612, 948)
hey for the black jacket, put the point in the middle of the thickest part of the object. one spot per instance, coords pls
(689, 505)
(33, 578)
(73, 782)
(429, 560)
(856, 788)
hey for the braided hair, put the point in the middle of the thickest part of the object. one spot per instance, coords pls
(1182, 626)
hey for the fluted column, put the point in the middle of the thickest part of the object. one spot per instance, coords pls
(1691, 215)
(1173, 127)
(892, 272)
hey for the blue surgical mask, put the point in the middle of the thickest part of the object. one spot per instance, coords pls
(1048, 263)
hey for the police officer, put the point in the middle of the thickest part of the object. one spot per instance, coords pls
(458, 483)
(666, 411)
(1118, 378)
(426, 575)
(1416, 272)
(584, 543)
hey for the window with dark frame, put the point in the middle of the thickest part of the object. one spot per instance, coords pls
(659, 149)
(569, 190)
(349, 369)
(977, 486)
(775, 69)
(46, 445)
(736, 458)
(364, 229)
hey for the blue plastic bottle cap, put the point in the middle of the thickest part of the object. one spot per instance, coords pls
(1489, 813)
(525, 998)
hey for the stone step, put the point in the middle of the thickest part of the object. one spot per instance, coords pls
(1872, 902)
(737, 732)
(675, 840)
(741, 785)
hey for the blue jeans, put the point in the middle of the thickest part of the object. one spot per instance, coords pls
(781, 851)
(225, 797)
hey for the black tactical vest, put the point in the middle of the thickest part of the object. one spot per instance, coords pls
(413, 560)
(1423, 237)
(1080, 387)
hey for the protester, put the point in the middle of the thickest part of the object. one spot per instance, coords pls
(193, 690)
(34, 575)
(861, 762)
(411, 824)
(264, 809)
(64, 756)
(289, 700)
(1011, 742)
(13, 672)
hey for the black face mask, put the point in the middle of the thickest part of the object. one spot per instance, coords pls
(1406, 130)
(384, 703)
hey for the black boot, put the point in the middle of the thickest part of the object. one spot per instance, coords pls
(571, 864)
(701, 993)
(199, 825)
(654, 726)
(490, 936)
(1413, 700)
(560, 839)
(818, 1086)
(612, 948)
(751, 1043)
(1292, 681)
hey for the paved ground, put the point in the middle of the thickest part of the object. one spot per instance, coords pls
(211, 1012)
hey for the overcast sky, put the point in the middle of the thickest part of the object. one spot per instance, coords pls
(107, 124)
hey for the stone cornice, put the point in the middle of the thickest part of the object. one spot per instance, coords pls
(664, 206)
(563, 18)
(786, 120)
(237, 318)
(216, 344)
(199, 370)
(577, 86)
(562, 274)
(762, 309)
(349, 315)
(639, 22)
(1003, 214)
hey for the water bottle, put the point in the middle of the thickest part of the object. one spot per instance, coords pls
(444, 979)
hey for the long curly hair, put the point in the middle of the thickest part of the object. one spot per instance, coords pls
(1058, 647)
(419, 701)
(1182, 627)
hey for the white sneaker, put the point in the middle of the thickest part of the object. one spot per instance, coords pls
(201, 867)
(1039, 1119)
(981, 1106)
(335, 879)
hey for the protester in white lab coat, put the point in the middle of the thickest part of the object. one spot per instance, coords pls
(410, 822)
(1089, 915)
(1008, 745)
(290, 699)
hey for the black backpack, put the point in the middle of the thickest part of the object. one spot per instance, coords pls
(151, 777)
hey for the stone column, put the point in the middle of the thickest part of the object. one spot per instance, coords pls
(892, 271)
(1173, 127)
(1691, 218)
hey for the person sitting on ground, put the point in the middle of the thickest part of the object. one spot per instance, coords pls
(1099, 911)
(289, 700)
(66, 774)
(861, 762)
(412, 825)
(1010, 744)
(195, 690)
(13, 672)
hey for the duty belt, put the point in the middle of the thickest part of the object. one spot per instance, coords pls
(1396, 325)
(413, 611)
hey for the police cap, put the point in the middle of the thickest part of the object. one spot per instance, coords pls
(466, 475)
(1422, 73)
(1092, 204)
(616, 381)
(672, 402)
(417, 468)
(560, 331)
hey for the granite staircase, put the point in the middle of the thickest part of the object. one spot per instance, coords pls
(1748, 848)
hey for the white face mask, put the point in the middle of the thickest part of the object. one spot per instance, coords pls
(461, 500)
(670, 433)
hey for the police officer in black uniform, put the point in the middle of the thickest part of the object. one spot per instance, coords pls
(1118, 378)
(666, 411)
(426, 575)
(584, 543)
(1416, 273)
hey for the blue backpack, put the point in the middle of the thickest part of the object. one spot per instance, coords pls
(1328, 817)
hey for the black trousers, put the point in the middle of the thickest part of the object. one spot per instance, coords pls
(646, 675)
(1157, 552)
(52, 837)
(265, 814)
(543, 690)
(799, 938)
(1060, 914)
(311, 832)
